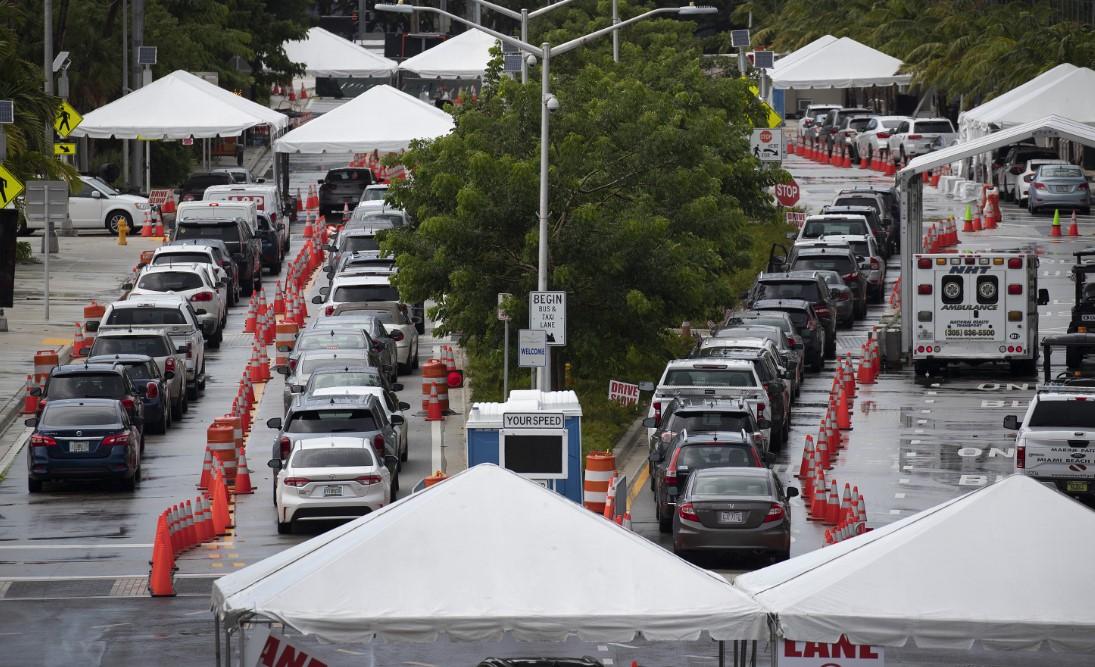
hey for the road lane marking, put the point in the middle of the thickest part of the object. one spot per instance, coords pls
(637, 485)
(56, 341)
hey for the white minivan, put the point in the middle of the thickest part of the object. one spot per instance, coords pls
(219, 210)
(265, 196)
(99, 206)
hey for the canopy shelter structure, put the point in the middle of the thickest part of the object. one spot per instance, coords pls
(380, 119)
(986, 118)
(453, 65)
(335, 67)
(911, 186)
(480, 555)
(899, 585)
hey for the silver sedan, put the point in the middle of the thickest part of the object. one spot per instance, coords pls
(1059, 186)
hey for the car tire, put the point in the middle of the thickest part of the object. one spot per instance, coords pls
(34, 485)
(130, 483)
(216, 339)
(1024, 367)
(780, 556)
(22, 229)
(285, 528)
(247, 286)
(665, 524)
(830, 348)
(114, 218)
(818, 363)
(404, 454)
(393, 493)
(414, 358)
(192, 392)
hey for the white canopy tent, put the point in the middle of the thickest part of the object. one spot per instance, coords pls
(905, 582)
(482, 554)
(842, 63)
(177, 106)
(325, 54)
(464, 56)
(801, 53)
(382, 119)
(977, 121)
(1069, 93)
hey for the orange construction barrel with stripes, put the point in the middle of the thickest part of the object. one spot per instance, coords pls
(433, 375)
(93, 312)
(221, 439)
(600, 468)
(285, 337)
(44, 362)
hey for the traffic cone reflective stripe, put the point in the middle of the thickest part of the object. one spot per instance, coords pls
(817, 507)
(1073, 227)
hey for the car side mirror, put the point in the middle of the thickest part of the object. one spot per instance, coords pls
(1043, 297)
(320, 181)
(398, 386)
(792, 492)
(95, 194)
(331, 247)
(31, 422)
(91, 327)
(646, 386)
(403, 405)
(126, 286)
(764, 423)
(169, 375)
(769, 457)
(274, 422)
(656, 456)
(396, 420)
(649, 423)
(317, 299)
(1011, 423)
(324, 291)
(36, 391)
(275, 464)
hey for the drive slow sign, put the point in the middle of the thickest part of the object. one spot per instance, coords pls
(787, 193)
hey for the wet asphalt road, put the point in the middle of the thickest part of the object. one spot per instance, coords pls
(73, 560)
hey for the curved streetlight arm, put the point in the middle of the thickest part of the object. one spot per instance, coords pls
(579, 41)
(505, 39)
(545, 10)
(505, 11)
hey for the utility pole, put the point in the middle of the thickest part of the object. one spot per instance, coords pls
(47, 69)
(136, 157)
(125, 80)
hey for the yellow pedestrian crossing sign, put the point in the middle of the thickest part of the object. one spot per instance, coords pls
(64, 149)
(66, 120)
(10, 187)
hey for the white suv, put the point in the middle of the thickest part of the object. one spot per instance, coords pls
(99, 206)
(197, 284)
(1055, 443)
(919, 136)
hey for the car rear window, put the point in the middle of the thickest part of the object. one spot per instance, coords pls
(355, 243)
(933, 126)
(762, 321)
(334, 457)
(890, 124)
(86, 385)
(347, 176)
(229, 233)
(705, 377)
(153, 346)
(382, 220)
(331, 421)
(79, 415)
(383, 264)
(798, 317)
(1063, 414)
(728, 485)
(374, 194)
(181, 258)
(1060, 172)
(712, 421)
(170, 281)
(858, 123)
(346, 379)
(715, 456)
(146, 316)
(824, 263)
(857, 201)
(816, 228)
(138, 371)
(807, 291)
(366, 293)
(329, 341)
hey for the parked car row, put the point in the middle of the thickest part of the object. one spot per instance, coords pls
(864, 134)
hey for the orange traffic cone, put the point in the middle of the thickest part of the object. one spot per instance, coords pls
(250, 322)
(817, 507)
(279, 300)
(243, 475)
(822, 457)
(832, 507)
(158, 229)
(78, 341)
(30, 402)
(1073, 227)
(846, 505)
(807, 453)
(161, 576)
(146, 231)
(967, 221)
(977, 226)
(207, 469)
(433, 408)
(843, 416)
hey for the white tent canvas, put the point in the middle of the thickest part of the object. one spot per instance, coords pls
(176, 106)
(934, 578)
(482, 554)
(464, 56)
(804, 52)
(325, 54)
(843, 63)
(981, 116)
(1068, 93)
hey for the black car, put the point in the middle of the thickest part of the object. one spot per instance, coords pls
(702, 415)
(814, 335)
(342, 188)
(806, 285)
(842, 260)
(271, 245)
(246, 249)
(193, 188)
(688, 452)
(149, 383)
(89, 380)
(84, 439)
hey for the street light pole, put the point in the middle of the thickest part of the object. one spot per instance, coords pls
(542, 251)
(615, 33)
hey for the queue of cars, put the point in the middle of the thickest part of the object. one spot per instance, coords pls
(862, 133)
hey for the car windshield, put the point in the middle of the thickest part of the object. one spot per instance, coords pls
(374, 194)
(824, 263)
(713, 421)
(143, 316)
(365, 293)
(817, 228)
(858, 123)
(382, 220)
(86, 385)
(806, 291)
(1062, 414)
(153, 346)
(331, 421)
(330, 341)
(729, 485)
(933, 126)
(345, 176)
(101, 184)
(170, 281)
(138, 371)
(228, 233)
(1056, 171)
(890, 124)
(57, 416)
(333, 457)
(182, 258)
(714, 456)
(355, 243)
(346, 379)
(709, 377)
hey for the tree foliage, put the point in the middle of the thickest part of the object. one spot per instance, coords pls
(653, 202)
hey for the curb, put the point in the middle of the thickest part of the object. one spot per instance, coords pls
(628, 441)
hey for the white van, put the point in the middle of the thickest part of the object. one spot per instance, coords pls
(265, 196)
(219, 210)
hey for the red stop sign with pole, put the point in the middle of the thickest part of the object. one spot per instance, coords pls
(787, 193)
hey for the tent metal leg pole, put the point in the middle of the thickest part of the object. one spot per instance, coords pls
(228, 646)
(243, 645)
(217, 637)
(744, 650)
(753, 658)
(775, 648)
(722, 653)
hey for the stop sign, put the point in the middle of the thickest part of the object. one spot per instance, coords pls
(787, 193)
(766, 136)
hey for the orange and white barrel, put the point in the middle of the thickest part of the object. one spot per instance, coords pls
(44, 362)
(433, 375)
(285, 336)
(221, 438)
(600, 469)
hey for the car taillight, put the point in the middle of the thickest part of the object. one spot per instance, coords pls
(775, 513)
(1021, 456)
(1015, 289)
(285, 446)
(1082, 186)
(812, 325)
(1028, 178)
(875, 264)
(1039, 186)
(202, 296)
(923, 263)
(843, 296)
(925, 288)
(329, 310)
(657, 413)
(822, 311)
(116, 440)
(37, 440)
(850, 277)
(671, 469)
(914, 137)
(293, 364)
(128, 404)
(378, 443)
(883, 135)
(1015, 262)
(366, 480)
(792, 341)
(396, 335)
(169, 365)
(760, 408)
(688, 511)
(152, 390)
(296, 482)
(756, 458)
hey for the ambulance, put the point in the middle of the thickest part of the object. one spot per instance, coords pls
(976, 307)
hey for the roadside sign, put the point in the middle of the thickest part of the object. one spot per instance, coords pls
(773, 118)
(64, 149)
(766, 144)
(547, 311)
(532, 420)
(46, 200)
(623, 393)
(10, 187)
(796, 218)
(739, 38)
(764, 59)
(787, 193)
(66, 120)
(503, 316)
(531, 348)
(187, 141)
(841, 654)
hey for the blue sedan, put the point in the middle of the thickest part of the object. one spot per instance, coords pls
(83, 439)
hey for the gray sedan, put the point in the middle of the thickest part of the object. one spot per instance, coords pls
(1059, 186)
(734, 510)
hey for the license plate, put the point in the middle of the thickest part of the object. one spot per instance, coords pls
(1062, 188)
(332, 491)
(79, 446)
(1077, 487)
(731, 517)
